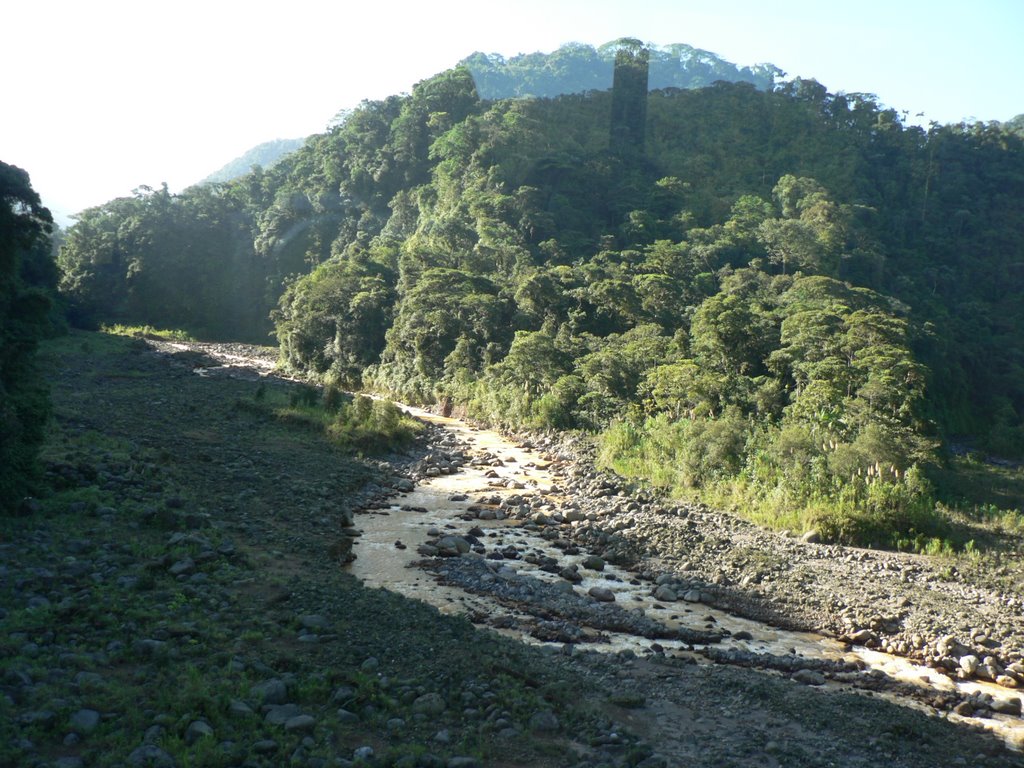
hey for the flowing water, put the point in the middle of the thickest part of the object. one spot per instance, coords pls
(383, 562)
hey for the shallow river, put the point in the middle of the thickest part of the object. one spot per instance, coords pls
(381, 563)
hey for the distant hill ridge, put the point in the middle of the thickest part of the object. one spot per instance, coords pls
(265, 155)
(578, 68)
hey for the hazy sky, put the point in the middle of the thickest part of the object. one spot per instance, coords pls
(101, 96)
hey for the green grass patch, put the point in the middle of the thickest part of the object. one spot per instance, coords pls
(358, 424)
(148, 332)
(890, 510)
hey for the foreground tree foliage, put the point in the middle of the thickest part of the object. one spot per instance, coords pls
(789, 299)
(26, 273)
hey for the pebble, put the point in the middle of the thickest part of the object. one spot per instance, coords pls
(264, 747)
(362, 753)
(809, 677)
(273, 691)
(544, 721)
(197, 730)
(85, 721)
(300, 724)
(969, 663)
(280, 714)
(665, 594)
(429, 704)
(150, 756)
(239, 708)
(314, 621)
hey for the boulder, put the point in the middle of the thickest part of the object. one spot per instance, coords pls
(602, 594)
(665, 594)
(809, 677)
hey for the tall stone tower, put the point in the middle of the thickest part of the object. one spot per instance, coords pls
(629, 100)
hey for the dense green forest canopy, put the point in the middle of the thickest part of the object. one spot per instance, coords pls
(27, 278)
(787, 289)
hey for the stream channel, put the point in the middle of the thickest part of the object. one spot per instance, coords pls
(390, 555)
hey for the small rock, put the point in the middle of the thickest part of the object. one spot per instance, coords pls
(362, 753)
(239, 708)
(280, 714)
(947, 645)
(264, 747)
(300, 724)
(964, 709)
(863, 637)
(544, 722)
(665, 594)
(197, 730)
(809, 677)
(571, 574)
(273, 691)
(593, 563)
(1007, 706)
(429, 704)
(184, 566)
(343, 694)
(602, 594)
(692, 596)
(969, 663)
(85, 721)
(314, 621)
(150, 756)
(811, 537)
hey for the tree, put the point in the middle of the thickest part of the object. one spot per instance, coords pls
(24, 401)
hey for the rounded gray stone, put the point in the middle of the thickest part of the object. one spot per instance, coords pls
(273, 691)
(85, 721)
(300, 724)
(150, 756)
(602, 594)
(197, 730)
(280, 714)
(809, 677)
(429, 704)
(665, 594)
(544, 722)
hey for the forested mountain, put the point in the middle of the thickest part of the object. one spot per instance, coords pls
(780, 293)
(579, 68)
(265, 155)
